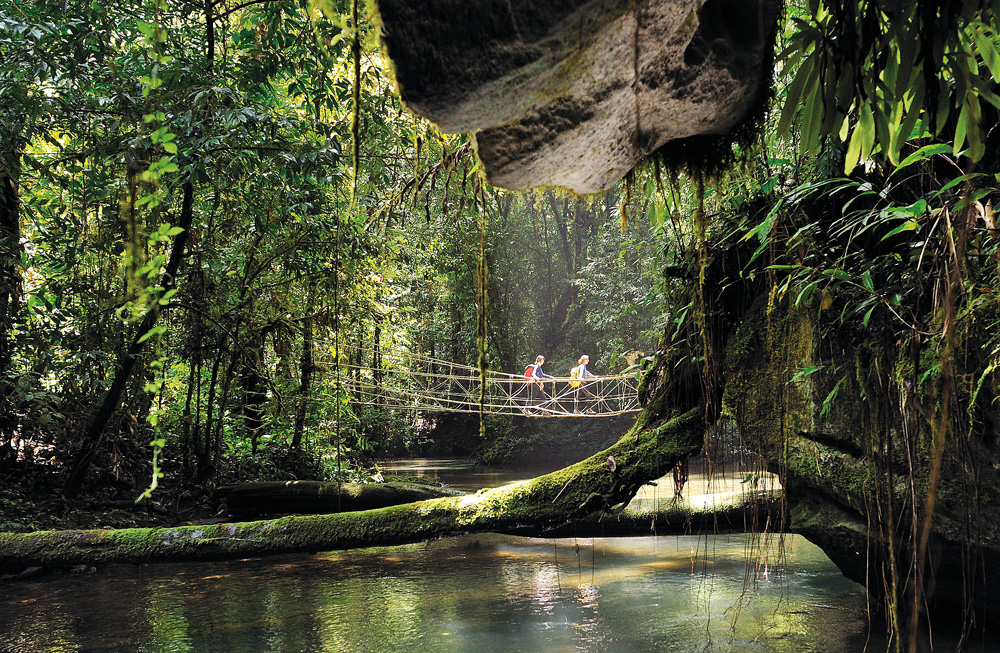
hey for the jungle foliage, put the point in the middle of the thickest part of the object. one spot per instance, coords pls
(211, 211)
(191, 257)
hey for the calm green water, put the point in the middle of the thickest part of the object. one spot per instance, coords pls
(475, 593)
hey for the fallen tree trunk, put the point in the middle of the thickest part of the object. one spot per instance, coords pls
(749, 514)
(311, 497)
(603, 482)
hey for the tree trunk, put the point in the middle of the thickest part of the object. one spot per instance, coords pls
(10, 299)
(306, 368)
(312, 497)
(223, 405)
(191, 422)
(186, 417)
(254, 392)
(205, 454)
(10, 263)
(126, 363)
(604, 482)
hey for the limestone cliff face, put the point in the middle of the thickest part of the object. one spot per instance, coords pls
(819, 409)
(574, 94)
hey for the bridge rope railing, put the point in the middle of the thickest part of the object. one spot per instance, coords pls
(408, 381)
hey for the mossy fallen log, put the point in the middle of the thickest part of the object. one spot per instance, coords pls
(310, 497)
(602, 482)
(746, 514)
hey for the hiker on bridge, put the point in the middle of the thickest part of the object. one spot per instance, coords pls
(535, 378)
(583, 398)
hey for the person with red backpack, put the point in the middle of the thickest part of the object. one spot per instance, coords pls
(535, 377)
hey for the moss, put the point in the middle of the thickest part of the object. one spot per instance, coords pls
(537, 505)
(836, 467)
(780, 411)
(762, 392)
(811, 465)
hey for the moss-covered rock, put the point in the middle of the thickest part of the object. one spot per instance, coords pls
(819, 408)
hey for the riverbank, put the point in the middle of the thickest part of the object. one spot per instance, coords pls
(38, 505)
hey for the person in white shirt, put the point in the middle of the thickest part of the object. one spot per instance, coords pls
(582, 394)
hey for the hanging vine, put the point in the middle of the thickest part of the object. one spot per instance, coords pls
(482, 300)
(356, 99)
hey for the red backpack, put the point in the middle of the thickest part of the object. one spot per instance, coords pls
(529, 373)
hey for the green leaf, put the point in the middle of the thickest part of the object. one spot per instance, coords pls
(830, 398)
(812, 119)
(992, 367)
(925, 152)
(853, 150)
(931, 372)
(866, 127)
(961, 129)
(804, 373)
(866, 279)
(838, 274)
(803, 78)
(987, 50)
(909, 225)
(806, 292)
(974, 133)
(916, 209)
(906, 127)
(763, 230)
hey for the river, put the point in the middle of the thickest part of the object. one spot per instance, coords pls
(475, 593)
(479, 593)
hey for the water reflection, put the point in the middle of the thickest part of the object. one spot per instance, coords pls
(726, 482)
(477, 593)
(463, 474)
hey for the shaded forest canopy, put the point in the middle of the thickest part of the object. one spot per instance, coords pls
(208, 210)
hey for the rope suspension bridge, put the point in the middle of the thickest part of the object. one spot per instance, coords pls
(403, 380)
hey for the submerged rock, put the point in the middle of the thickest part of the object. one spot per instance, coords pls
(574, 94)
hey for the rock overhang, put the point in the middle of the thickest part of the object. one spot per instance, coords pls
(572, 93)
